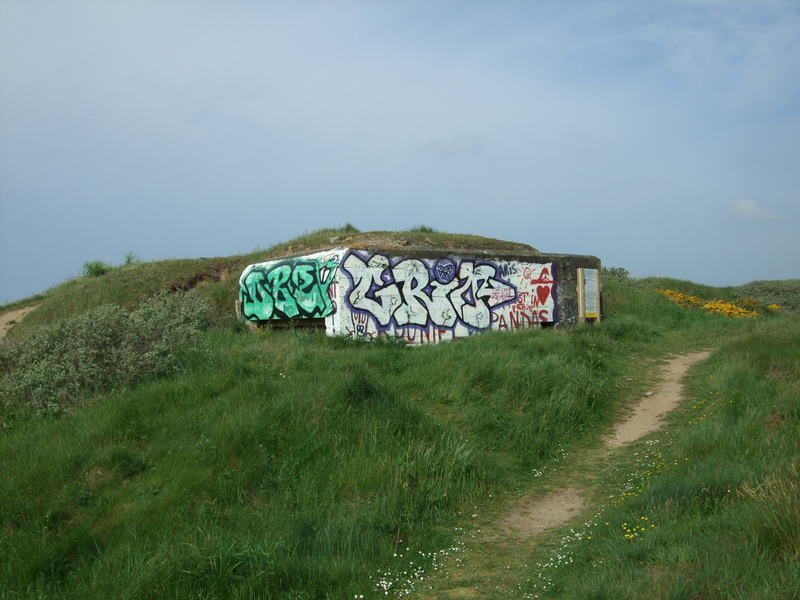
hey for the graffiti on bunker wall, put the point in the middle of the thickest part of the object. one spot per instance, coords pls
(366, 294)
(290, 288)
(443, 297)
(409, 291)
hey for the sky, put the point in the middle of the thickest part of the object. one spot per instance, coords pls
(662, 137)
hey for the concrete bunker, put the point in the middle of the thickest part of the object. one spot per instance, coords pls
(420, 295)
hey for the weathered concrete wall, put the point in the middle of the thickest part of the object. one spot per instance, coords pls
(422, 297)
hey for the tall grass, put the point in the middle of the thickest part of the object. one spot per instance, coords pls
(282, 465)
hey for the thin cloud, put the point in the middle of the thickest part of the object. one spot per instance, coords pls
(465, 144)
(743, 55)
(744, 208)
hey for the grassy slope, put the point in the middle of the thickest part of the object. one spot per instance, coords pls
(709, 507)
(293, 465)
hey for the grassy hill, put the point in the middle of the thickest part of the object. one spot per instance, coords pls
(151, 446)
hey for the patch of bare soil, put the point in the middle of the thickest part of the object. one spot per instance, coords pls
(504, 543)
(648, 413)
(12, 317)
(542, 513)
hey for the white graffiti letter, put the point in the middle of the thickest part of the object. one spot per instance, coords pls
(387, 297)
(480, 292)
(412, 277)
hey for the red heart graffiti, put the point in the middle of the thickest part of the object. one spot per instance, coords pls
(543, 292)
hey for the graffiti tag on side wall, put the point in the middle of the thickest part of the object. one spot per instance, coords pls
(414, 292)
(286, 289)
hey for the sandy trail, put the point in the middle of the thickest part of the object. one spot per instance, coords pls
(531, 517)
(12, 317)
(649, 411)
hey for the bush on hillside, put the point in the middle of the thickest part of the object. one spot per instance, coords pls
(615, 274)
(95, 268)
(784, 293)
(102, 349)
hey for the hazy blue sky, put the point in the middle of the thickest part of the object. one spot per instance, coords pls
(663, 137)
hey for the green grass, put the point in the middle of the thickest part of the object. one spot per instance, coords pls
(286, 464)
(306, 479)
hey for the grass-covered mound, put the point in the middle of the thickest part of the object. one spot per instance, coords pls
(287, 464)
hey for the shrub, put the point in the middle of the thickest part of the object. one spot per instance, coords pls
(785, 293)
(614, 274)
(95, 268)
(60, 365)
(423, 229)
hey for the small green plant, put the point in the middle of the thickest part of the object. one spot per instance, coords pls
(423, 229)
(95, 268)
(130, 259)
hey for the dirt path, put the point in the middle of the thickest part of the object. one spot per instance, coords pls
(12, 317)
(481, 569)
